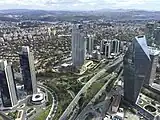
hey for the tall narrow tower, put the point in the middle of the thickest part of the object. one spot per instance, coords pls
(7, 85)
(107, 50)
(90, 43)
(103, 42)
(154, 55)
(115, 46)
(28, 70)
(78, 47)
(136, 66)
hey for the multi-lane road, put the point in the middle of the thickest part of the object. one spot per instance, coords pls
(105, 103)
(54, 102)
(74, 102)
(110, 78)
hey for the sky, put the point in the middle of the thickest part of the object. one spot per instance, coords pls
(80, 4)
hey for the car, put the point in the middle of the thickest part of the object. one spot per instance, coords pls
(107, 116)
(141, 118)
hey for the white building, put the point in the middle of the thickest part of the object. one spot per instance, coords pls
(78, 47)
(90, 43)
(108, 50)
(7, 85)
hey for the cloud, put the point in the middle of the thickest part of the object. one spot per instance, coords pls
(80, 4)
(49, 2)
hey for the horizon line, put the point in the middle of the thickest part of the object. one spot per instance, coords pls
(81, 10)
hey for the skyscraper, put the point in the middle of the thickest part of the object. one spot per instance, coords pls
(115, 46)
(78, 47)
(154, 55)
(90, 43)
(103, 42)
(107, 50)
(7, 85)
(136, 66)
(149, 32)
(157, 36)
(28, 70)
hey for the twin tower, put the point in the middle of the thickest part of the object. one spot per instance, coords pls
(7, 80)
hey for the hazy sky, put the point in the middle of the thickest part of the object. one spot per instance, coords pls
(80, 4)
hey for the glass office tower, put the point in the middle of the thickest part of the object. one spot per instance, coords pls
(7, 85)
(136, 65)
(28, 70)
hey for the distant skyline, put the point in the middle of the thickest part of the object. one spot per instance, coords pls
(80, 4)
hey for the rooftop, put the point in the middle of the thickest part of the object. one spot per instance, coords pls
(37, 97)
(153, 51)
(143, 43)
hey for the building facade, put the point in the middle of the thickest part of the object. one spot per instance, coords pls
(154, 55)
(157, 36)
(107, 50)
(149, 30)
(28, 70)
(115, 46)
(78, 47)
(102, 46)
(136, 65)
(7, 85)
(90, 43)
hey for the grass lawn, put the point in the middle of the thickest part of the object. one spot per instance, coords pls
(43, 115)
(144, 103)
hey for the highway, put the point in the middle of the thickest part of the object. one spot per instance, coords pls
(86, 86)
(103, 88)
(80, 116)
(87, 108)
(71, 93)
(54, 102)
(4, 116)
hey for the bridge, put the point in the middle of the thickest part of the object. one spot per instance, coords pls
(74, 102)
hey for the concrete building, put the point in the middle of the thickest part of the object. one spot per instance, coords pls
(28, 70)
(107, 50)
(157, 36)
(102, 46)
(96, 55)
(115, 46)
(154, 54)
(149, 30)
(78, 47)
(136, 66)
(90, 43)
(115, 104)
(118, 47)
(7, 85)
(38, 98)
(123, 46)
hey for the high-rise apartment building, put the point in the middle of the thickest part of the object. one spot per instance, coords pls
(102, 46)
(149, 30)
(154, 55)
(7, 85)
(108, 50)
(115, 46)
(136, 65)
(90, 43)
(78, 47)
(157, 36)
(28, 70)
